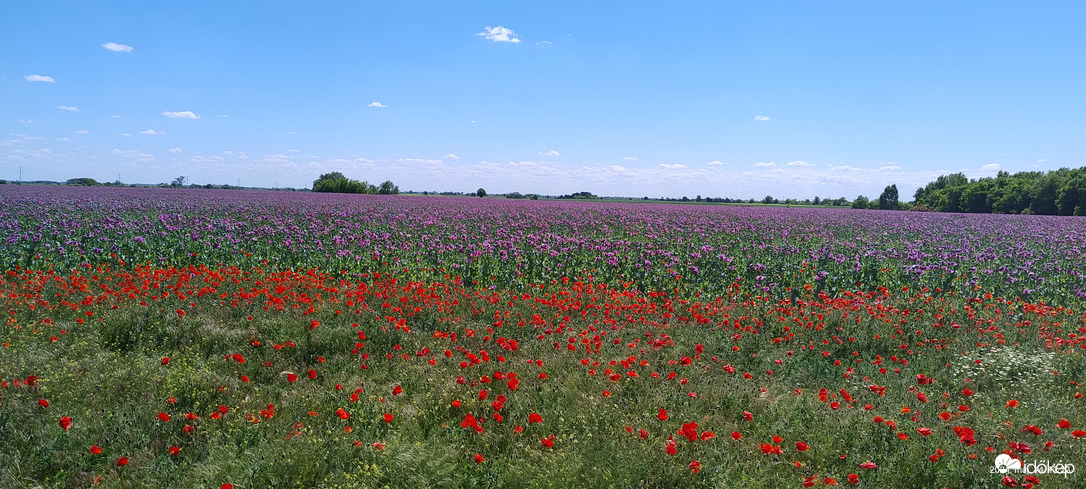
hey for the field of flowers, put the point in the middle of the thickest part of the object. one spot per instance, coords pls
(190, 338)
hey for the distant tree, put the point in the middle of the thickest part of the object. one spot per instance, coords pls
(330, 176)
(888, 200)
(514, 195)
(481, 192)
(698, 198)
(83, 181)
(685, 199)
(768, 199)
(816, 201)
(179, 181)
(388, 188)
(861, 202)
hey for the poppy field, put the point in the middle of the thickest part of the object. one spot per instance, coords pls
(249, 339)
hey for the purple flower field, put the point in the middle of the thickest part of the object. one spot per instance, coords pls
(711, 249)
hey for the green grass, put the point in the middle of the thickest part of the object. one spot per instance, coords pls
(108, 376)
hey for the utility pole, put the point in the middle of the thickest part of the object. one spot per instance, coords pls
(20, 174)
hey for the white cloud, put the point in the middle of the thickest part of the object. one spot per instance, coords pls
(180, 115)
(671, 166)
(25, 121)
(291, 132)
(764, 164)
(125, 134)
(500, 34)
(761, 118)
(630, 158)
(69, 108)
(799, 163)
(115, 117)
(152, 132)
(890, 167)
(292, 150)
(990, 167)
(715, 163)
(39, 78)
(224, 116)
(451, 156)
(81, 132)
(543, 43)
(845, 168)
(134, 155)
(377, 104)
(550, 153)
(120, 48)
(65, 140)
(175, 150)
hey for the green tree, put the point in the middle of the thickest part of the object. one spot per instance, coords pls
(179, 181)
(481, 192)
(388, 188)
(83, 181)
(861, 202)
(888, 200)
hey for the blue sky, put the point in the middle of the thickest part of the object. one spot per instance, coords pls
(739, 99)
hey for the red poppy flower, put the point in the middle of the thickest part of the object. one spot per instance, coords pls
(662, 414)
(671, 448)
(1064, 423)
(1078, 433)
(802, 446)
(695, 467)
(924, 431)
(829, 481)
(770, 449)
(479, 458)
(227, 485)
(690, 431)
(96, 450)
(548, 442)
(747, 416)
(65, 422)
(1013, 403)
(291, 377)
(312, 374)
(967, 392)
(174, 451)
(736, 435)
(163, 417)
(535, 418)
(43, 403)
(389, 418)
(121, 462)
(868, 465)
(165, 360)
(397, 390)
(853, 479)
(224, 409)
(342, 414)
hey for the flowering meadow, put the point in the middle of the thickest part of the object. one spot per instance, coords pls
(253, 339)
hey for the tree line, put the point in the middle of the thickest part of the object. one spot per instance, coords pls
(337, 183)
(1061, 192)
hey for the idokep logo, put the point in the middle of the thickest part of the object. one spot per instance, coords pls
(1007, 464)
